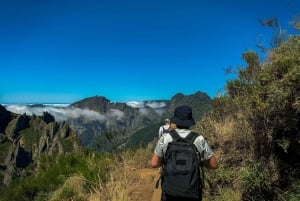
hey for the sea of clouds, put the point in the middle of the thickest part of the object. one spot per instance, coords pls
(62, 112)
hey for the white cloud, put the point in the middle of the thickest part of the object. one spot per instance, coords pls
(59, 113)
(160, 111)
(143, 111)
(136, 104)
(156, 105)
(57, 105)
(20, 109)
(74, 113)
(142, 104)
(64, 113)
(118, 114)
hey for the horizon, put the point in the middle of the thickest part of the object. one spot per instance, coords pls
(68, 103)
(61, 52)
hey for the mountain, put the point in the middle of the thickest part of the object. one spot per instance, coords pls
(24, 139)
(200, 103)
(118, 122)
(132, 124)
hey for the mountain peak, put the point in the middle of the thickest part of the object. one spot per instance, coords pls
(96, 103)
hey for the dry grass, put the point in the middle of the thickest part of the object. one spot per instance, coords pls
(72, 189)
(228, 194)
(231, 142)
(123, 177)
(229, 136)
(229, 139)
(122, 182)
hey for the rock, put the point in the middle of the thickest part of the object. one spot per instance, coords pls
(5, 118)
(48, 118)
(3, 138)
(16, 125)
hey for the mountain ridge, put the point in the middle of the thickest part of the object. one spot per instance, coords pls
(107, 126)
(113, 133)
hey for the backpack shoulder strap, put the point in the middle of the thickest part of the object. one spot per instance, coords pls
(192, 136)
(174, 135)
(164, 130)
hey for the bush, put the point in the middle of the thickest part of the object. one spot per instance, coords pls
(53, 172)
(256, 180)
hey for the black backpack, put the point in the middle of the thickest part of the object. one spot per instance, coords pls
(164, 130)
(181, 168)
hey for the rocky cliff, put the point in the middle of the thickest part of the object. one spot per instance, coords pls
(23, 139)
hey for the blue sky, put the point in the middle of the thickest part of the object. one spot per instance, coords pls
(56, 51)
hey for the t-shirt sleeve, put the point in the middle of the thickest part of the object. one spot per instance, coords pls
(160, 131)
(204, 148)
(159, 147)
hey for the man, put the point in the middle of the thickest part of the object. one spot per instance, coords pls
(164, 128)
(183, 120)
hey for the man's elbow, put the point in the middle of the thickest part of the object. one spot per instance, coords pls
(211, 163)
(155, 161)
(154, 165)
(213, 167)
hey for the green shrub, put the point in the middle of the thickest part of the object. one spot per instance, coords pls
(256, 180)
(227, 194)
(53, 172)
(292, 193)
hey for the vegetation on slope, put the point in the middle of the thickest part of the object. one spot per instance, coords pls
(143, 136)
(254, 129)
(80, 176)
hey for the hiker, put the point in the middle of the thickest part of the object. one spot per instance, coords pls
(164, 128)
(183, 120)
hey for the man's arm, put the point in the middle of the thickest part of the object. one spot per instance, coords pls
(155, 161)
(211, 163)
(160, 131)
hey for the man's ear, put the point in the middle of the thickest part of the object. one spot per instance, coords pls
(173, 126)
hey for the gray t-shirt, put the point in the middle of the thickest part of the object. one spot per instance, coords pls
(201, 144)
(162, 130)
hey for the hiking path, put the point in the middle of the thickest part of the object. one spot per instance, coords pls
(145, 190)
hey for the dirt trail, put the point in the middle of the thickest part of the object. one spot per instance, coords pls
(144, 190)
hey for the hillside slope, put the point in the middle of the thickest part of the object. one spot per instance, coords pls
(24, 139)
